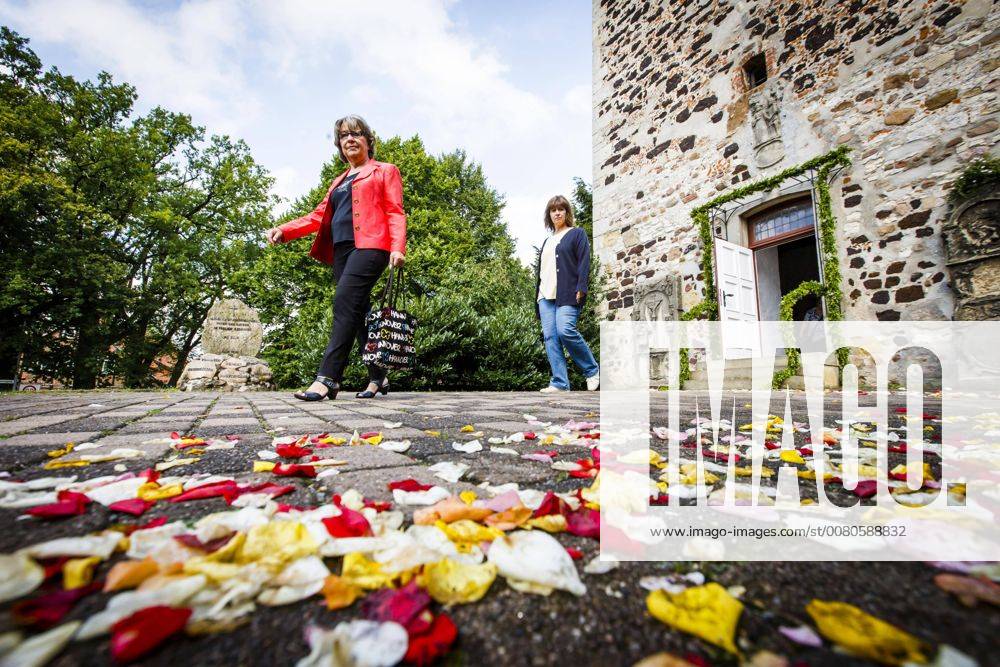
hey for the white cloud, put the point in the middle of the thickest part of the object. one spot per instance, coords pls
(278, 72)
(186, 60)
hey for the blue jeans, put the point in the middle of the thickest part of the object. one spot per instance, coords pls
(559, 329)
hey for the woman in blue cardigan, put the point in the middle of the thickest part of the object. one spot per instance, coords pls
(561, 287)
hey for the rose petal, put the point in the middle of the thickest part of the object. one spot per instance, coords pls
(428, 646)
(136, 635)
(401, 605)
(133, 506)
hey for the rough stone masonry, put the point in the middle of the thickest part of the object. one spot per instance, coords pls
(694, 98)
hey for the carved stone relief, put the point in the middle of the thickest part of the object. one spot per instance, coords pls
(658, 301)
(765, 120)
(972, 245)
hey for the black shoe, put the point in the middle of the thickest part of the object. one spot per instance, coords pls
(331, 386)
(384, 390)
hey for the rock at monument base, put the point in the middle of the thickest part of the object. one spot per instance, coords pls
(231, 335)
(221, 373)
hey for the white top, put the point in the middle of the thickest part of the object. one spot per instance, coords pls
(547, 285)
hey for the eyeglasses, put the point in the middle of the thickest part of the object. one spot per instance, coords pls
(357, 134)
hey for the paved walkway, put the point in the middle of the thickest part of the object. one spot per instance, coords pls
(608, 625)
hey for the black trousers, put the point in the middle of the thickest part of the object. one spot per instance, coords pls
(355, 271)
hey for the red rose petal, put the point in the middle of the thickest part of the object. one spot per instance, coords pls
(378, 505)
(191, 540)
(428, 646)
(270, 488)
(138, 634)
(285, 507)
(584, 522)
(58, 510)
(47, 610)
(719, 456)
(292, 451)
(866, 488)
(409, 485)
(348, 524)
(575, 554)
(293, 470)
(401, 605)
(207, 491)
(551, 504)
(133, 506)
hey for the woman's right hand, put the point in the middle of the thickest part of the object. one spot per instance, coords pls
(273, 235)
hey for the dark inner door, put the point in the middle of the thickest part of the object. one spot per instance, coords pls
(796, 264)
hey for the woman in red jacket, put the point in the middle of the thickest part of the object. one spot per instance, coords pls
(360, 229)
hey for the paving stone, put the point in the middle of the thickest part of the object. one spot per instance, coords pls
(33, 422)
(134, 441)
(49, 439)
(235, 422)
(164, 427)
(306, 426)
(375, 411)
(361, 423)
(402, 433)
(366, 456)
(505, 426)
(124, 413)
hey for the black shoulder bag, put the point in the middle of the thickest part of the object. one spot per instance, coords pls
(390, 329)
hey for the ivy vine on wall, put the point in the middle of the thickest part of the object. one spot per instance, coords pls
(708, 308)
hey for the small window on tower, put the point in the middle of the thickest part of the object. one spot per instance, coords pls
(755, 71)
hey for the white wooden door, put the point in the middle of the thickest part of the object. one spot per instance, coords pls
(737, 285)
(736, 281)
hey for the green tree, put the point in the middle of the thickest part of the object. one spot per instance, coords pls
(118, 230)
(472, 298)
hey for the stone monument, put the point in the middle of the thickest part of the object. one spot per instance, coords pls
(230, 340)
(972, 244)
(658, 301)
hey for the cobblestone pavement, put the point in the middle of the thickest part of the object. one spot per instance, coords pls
(608, 625)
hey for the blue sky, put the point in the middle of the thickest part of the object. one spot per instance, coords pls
(507, 81)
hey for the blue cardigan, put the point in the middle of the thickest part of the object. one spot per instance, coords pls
(572, 268)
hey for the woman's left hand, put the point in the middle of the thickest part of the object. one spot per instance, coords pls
(579, 297)
(396, 258)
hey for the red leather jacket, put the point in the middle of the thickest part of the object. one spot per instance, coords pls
(379, 220)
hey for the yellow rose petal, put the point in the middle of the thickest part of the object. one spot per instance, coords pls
(865, 636)
(79, 572)
(708, 612)
(450, 582)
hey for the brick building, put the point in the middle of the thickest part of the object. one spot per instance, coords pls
(694, 99)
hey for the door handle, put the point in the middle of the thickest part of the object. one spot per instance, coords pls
(724, 295)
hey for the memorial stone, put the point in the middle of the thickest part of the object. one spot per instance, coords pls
(231, 338)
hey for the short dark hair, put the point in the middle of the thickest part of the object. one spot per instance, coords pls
(358, 124)
(558, 202)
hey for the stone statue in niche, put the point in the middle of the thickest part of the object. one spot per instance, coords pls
(765, 120)
(658, 301)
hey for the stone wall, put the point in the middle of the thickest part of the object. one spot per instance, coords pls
(910, 85)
